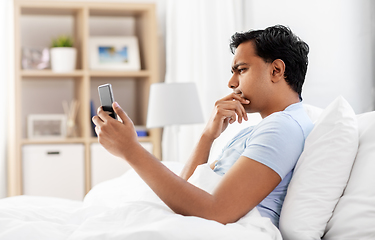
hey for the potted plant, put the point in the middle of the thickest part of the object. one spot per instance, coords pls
(63, 55)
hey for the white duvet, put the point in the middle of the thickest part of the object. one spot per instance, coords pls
(123, 208)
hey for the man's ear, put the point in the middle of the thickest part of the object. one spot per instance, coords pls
(278, 70)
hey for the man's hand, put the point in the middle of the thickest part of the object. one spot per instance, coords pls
(225, 112)
(115, 136)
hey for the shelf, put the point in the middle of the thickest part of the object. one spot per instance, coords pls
(96, 8)
(130, 9)
(81, 73)
(144, 139)
(140, 139)
(142, 73)
(49, 73)
(53, 141)
(70, 140)
(45, 10)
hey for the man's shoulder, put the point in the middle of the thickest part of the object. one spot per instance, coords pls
(289, 119)
(278, 119)
(280, 125)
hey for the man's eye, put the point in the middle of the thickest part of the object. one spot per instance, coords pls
(240, 70)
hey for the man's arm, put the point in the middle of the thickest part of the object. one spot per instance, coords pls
(199, 156)
(246, 184)
(240, 190)
(224, 113)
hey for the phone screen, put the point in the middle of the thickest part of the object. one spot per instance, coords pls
(106, 98)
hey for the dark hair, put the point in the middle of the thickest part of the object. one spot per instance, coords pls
(279, 42)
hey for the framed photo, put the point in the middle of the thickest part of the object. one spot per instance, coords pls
(114, 53)
(35, 58)
(43, 126)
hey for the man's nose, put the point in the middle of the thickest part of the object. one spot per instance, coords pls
(233, 82)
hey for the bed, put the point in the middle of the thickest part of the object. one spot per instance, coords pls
(122, 208)
(331, 196)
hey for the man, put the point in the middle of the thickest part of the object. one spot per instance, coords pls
(269, 69)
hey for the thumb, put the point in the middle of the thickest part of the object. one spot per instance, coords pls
(121, 113)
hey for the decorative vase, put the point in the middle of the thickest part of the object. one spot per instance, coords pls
(63, 59)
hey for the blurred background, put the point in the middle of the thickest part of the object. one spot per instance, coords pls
(192, 42)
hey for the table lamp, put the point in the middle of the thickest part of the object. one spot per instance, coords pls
(173, 104)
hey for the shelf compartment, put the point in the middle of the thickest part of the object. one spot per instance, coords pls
(135, 19)
(40, 23)
(47, 94)
(126, 92)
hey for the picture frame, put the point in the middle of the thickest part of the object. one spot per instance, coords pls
(46, 126)
(35, 58)
(114, 53)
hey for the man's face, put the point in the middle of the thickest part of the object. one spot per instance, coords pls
(251, 77)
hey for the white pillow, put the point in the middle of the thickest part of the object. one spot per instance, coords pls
(312, 111)
(354, 215)
(127, 188)
(321, 173)
(205, 178)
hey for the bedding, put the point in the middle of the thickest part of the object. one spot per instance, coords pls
(354, 215)
(126, 208)
(123, 208)
(321, 173)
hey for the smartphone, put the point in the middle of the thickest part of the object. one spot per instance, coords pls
(106, 99)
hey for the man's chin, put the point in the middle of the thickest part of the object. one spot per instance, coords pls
(248, 109)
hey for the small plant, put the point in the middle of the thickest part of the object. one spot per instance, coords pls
(62, 41)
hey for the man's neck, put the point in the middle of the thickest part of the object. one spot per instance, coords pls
(280, 104)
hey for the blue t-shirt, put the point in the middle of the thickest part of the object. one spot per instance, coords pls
(277, 142)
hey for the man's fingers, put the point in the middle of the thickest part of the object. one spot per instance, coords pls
(121, 113)
(244, 114)
(237, 107)
(240, 112)
(103, 115)
(239, 101)
(230, 115)
(96, 120)
(97, 130)
(236, 97)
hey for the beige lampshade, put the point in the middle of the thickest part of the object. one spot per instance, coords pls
(173, 104)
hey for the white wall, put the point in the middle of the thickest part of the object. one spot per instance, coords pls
(341, 37)
(339, 33)
(6, 73)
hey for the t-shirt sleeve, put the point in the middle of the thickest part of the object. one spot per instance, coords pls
(277, 143)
